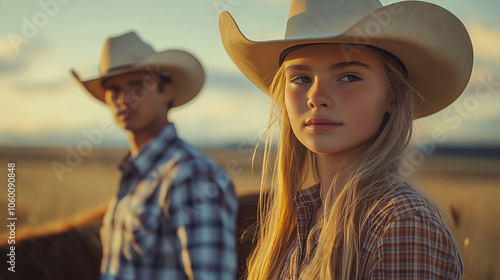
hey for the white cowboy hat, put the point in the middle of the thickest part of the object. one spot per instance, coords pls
(432, 43)
(128, 53)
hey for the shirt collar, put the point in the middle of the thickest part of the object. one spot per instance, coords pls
(309, 196)
(148, 156)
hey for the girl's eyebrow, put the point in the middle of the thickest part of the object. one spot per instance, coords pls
(298, 67)
(336, 66)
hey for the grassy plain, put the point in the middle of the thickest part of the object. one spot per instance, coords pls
(468, 189)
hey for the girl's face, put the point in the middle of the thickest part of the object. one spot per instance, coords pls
(334, 103)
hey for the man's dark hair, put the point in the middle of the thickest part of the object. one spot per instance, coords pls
(163, 80)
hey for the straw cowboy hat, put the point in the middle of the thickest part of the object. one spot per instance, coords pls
(431, 42)
(128, 53)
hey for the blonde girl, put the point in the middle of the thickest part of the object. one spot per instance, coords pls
(346, 83)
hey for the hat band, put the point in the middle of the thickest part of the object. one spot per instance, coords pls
(118, 69)
(291, 49)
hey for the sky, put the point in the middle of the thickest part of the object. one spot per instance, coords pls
(40, 41)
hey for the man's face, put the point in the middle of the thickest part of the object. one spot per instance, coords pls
(137, 103)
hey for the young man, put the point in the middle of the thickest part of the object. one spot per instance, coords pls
(174, 214)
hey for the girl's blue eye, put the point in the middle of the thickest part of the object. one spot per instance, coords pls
(301, 80)
(350, 78)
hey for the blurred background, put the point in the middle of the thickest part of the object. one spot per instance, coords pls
(66, 162)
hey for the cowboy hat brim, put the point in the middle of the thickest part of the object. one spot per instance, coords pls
(181, 67)
(432, 43)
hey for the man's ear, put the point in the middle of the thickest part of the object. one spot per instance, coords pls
(168, 93)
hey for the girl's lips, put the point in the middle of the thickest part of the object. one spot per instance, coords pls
(322, 127)
(321, 121)
(321, 124)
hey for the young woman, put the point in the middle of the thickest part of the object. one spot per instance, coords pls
(349, 79)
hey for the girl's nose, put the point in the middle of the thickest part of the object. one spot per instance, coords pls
(319, 95)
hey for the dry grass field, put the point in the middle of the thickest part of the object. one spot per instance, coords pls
(467, 189)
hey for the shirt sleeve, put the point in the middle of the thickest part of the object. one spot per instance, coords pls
(417, 248)
(203, 214)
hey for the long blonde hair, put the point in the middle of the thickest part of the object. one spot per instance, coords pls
(369, 179)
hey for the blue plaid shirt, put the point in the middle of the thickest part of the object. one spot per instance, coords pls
(173, 217)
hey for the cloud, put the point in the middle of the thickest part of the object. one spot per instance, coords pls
(41, 86)
(220, 116)
(38, 67)
(11, 66)
(231, 81)
(215, 118)
(473, 117)
(9, 61)
(485, 78)
(13, 62)
(485, 41)
(484, 81)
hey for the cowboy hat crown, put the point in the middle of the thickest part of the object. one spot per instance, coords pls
(123, 51)
(431, 42)
(128, 53)
(315, 17)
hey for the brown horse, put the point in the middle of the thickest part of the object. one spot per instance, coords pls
(75, 253)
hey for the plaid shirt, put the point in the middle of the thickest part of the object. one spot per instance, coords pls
(173, 217)
(405, 238)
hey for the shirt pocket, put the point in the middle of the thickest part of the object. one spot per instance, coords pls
(145, 229)
(146, 217)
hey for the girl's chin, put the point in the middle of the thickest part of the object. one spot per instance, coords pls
(328, 148)
(324, 149)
